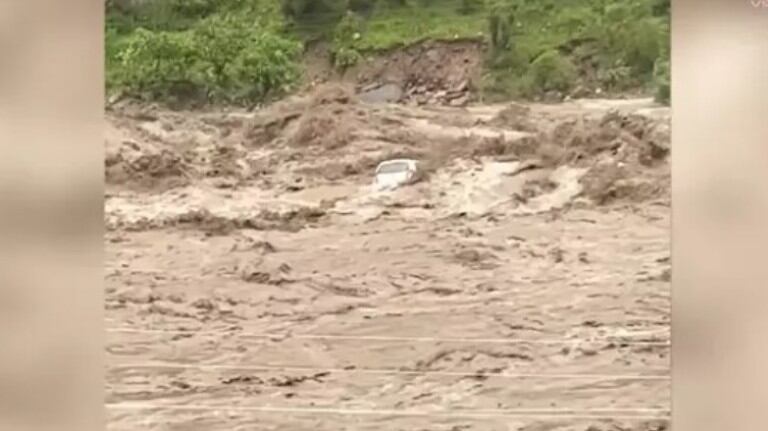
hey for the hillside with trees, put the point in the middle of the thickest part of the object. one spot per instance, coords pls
(250, 51)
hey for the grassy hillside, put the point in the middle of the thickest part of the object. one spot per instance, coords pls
(240, 51)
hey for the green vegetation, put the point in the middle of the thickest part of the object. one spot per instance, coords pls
(602, 44)
(234, 52)
(345, 47)
(661, 76)
(394, 27)
(243, 51)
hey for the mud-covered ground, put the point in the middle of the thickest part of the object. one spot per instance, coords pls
(255, 282)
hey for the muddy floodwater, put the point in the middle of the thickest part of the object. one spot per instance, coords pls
(255, 281)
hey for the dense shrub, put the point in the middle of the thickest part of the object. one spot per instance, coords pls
(552, 72)
(467, 7)
(237, 50)
(547, 45)
(314, 16)
(660, 8)
(156, 64)
(662, 81)
(177, 15)
(501, 17)
(361, 7)
(222, 58)
(344, 50)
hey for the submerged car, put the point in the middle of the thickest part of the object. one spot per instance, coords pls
(394, 173)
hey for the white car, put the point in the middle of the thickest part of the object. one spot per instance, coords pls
(394, 173)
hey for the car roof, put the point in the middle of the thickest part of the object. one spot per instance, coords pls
(392, 161)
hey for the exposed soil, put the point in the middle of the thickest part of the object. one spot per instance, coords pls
(433, 72)
(255, 281)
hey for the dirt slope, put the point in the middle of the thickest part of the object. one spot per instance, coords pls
(431, 72)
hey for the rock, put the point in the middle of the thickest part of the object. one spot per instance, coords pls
(387, 93)
(370, 87)
(463, 86)
(115, 98)
(460, 101)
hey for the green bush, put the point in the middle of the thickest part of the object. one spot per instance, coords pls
(314, 18)
(498, 86)
(468, 7)
(232, 50)
(169, 15)
(661, 8)
(552, 72)
(223, 58)
(616, 77)
(501, 20)
(573, 23)
(266, 66)
(344, 58)
(387, 6)
(363, 7)
(642, 45)
(629, 32)
(661, 74)
(156, 64)
(178, 15)
(548, 45)
(192, 8)
(346, 36)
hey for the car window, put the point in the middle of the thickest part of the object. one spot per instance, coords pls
(393, 168)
